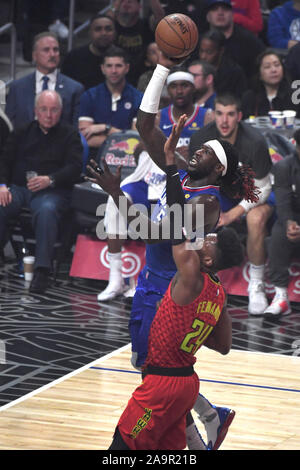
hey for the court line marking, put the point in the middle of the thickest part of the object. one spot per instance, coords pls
(114, 353)
(221, 382)
(63, 378)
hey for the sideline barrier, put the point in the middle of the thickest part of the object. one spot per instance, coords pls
(90, 258)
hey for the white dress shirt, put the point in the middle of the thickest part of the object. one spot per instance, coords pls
(39, 81)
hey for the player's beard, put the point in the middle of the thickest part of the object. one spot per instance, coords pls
(196, 174)
(200, 172)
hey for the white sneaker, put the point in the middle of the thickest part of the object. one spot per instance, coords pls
(60, 29)
(257, 298)
(111, 291)
(129, 293)
(216, 426)
(279, 306)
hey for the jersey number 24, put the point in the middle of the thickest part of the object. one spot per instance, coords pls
(194, 339)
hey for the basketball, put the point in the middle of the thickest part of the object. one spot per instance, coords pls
(176, 35)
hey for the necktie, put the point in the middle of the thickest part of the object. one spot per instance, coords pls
(45, 82)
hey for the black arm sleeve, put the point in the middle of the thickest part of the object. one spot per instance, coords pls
(175, 202)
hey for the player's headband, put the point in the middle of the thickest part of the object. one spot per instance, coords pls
(220, 153)
(180, 75)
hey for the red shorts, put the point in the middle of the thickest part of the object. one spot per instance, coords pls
(155, 417)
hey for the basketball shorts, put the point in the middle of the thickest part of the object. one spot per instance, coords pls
(150, 290)
(114, 222)
(155, 416)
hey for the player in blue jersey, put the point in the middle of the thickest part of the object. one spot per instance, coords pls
(147, 176)
(215, 164)
(181, 90)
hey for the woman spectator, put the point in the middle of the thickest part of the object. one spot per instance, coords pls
(271, 89)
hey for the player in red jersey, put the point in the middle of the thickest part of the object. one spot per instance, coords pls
(192, 313)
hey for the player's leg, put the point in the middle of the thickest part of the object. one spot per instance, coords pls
(179, 403)
(216, 421)
(155, 417)
(257, 219)
(194, 439)
(116, 230)
(135, 321)
(149, 291)
(118, 443)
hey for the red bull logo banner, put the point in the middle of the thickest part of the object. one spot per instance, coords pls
(90, 259)
(120, 151)
(235, 281)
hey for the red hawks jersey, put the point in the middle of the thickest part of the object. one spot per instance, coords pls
(177, 332)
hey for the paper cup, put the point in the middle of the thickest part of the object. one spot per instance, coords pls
(30, 174)
(277, 118)
(289, 118)
(28, 263)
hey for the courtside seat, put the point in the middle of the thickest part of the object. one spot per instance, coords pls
(118, 150)
(22, 238)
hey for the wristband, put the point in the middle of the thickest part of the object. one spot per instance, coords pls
(175, 196)
(171, 170)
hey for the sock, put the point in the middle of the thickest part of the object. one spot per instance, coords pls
(115, 266)
(134, 356)
(203, 408)
(281, 292)
(193, 438)
(256, 273)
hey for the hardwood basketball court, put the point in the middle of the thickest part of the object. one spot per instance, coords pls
(81, 411)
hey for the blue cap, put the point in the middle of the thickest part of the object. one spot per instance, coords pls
(211, 3)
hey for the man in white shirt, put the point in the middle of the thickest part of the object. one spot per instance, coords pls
(22, 92)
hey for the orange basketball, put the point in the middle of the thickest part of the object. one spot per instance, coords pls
(176, 35)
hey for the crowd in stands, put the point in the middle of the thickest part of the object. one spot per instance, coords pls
(244, 66)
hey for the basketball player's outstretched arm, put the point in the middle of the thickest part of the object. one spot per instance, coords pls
(111, 184)
(152, 136)
(188, 281)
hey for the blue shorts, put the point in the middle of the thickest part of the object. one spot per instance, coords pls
(150, 290)
(271, 199)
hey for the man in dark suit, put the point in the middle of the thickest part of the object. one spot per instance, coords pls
(22, 92)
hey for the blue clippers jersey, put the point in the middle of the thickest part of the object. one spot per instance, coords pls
(195, 122)
(159, 257)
